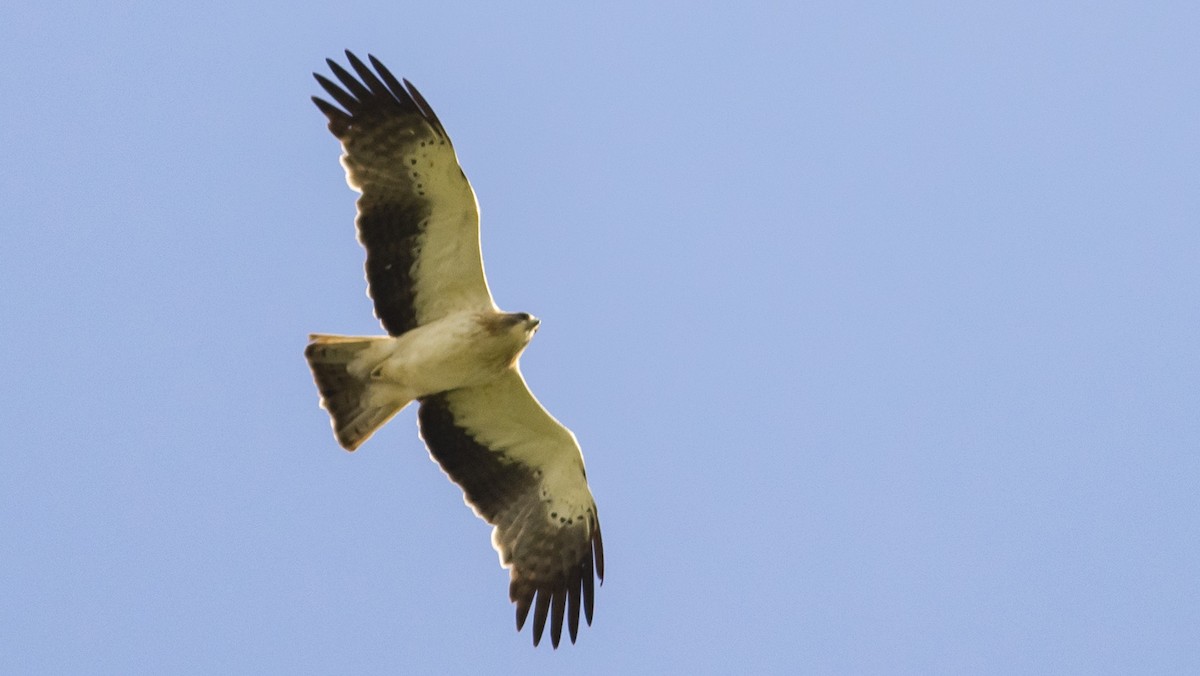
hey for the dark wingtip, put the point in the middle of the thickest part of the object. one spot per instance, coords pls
(326, 107)
(338, 94)
(338, 120)
(523, 610)
(375, 88)
(589, 590)
(599, 553)
(349, 82)
(556, 616)
(539, 615)
(573, 589)
(424, 107)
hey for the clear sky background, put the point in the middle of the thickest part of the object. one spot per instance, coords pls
(879, 325)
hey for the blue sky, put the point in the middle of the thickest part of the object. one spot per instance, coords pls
(878, 326)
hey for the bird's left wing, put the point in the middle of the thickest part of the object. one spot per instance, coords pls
(522, 472)
(417, 216)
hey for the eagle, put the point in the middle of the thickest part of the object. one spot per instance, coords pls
(451, 349)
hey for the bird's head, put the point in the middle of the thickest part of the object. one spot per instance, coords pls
(523, 322)
(519, 326)
(511, 332)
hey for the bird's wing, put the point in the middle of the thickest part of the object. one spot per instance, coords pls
(417, 216)
(522, 472)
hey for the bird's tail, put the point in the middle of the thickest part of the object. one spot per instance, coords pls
(346, 373)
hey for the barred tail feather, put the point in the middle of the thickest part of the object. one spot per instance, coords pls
(357, 404)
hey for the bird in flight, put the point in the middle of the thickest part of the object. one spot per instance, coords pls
(450, 349)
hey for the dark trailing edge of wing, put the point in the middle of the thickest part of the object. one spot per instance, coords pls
(505, 492)
(380, 116)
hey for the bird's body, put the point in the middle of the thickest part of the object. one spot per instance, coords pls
(464, 349)
(450, 348)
